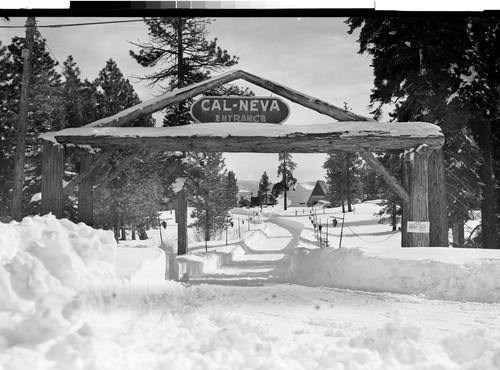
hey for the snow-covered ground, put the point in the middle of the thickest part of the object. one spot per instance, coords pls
(281, 302)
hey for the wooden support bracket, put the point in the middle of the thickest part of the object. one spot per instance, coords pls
(370, 158)
(103, 181)
(87, 171)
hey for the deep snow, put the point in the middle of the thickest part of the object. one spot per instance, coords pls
(275, 304)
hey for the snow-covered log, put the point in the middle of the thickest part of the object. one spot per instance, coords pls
(262, 138)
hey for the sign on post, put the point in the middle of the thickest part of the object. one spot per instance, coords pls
(240, 109)
(418, 227)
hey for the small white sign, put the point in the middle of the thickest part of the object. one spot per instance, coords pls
(418, 227)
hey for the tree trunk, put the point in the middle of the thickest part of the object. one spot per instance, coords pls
(488, 212)
(207, 225)
(142, 234)
(181, 213)
(349, 205)
(180, 68)
(133, 232)
(124, 234)
(458, 234)
(343, 205)
(116, 228)
(394, 218)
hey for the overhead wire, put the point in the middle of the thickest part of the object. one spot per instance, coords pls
(50, 50)
(78, 24)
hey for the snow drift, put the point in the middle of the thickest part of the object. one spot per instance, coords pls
(352, 268)
(46, 265)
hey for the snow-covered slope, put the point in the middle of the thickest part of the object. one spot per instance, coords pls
(62, 307)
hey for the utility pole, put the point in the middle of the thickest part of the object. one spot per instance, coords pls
(17, 193)
(284, 176)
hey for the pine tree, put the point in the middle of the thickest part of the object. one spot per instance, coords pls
(264, 186)
(343, 179)
(116, 93)
(231, 190)
(285, 170)
(443, 70)
(45, 114)
(123, 203)
(180, 45)
(208, 183)
(181, 48)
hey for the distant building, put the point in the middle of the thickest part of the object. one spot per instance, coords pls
(318, 193)
(307, 194)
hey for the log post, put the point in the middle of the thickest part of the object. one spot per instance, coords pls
(52, 179)
(181, 217)
(405, 209)
(85, 194)
(418, 207)
(437, 200)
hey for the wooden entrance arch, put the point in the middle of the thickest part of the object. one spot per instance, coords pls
(421, 143)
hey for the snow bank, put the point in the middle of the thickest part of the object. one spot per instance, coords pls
(195, 263)
(352, 268)
(46, 265)
(140, 265)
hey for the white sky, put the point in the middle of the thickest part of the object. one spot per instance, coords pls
(315, 56)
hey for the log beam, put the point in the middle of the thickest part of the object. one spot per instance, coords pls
(127, 116)
(263, 138)
(370, 158)
(52, 179)
(310, 102)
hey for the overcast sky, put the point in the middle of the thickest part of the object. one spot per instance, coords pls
(315, 56)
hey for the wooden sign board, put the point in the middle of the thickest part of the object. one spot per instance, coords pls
(418, 227)
(240, 109)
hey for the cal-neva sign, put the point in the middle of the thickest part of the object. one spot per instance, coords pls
(240, 109)
(418, 227)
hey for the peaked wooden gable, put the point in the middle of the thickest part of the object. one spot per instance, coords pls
(353, 132)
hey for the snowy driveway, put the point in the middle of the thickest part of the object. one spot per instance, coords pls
(248, 316)
(262, 262)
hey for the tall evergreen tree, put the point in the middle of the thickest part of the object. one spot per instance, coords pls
(231, 190)
(208, 183)
(45, 114)
(264, 187)
(116, 93)
(443, 70)
(119, 205)
(286, 167)
(72, 92)
(182, 48)
(343, 178)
